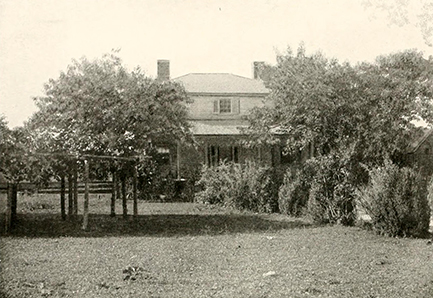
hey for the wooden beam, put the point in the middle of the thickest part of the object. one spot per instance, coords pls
(86, 195)
(113, 194)
(134, 191)
(8, 217)
(14, 201)
(75, 182)
(124, 205)
(62, 197)
(178, 159)
(70, 194)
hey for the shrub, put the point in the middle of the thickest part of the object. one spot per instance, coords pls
(294, 191)
(241, 186)
(396, 200)
(331, 196)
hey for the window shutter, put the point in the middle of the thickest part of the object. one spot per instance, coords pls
(235, 106)
(215, 106)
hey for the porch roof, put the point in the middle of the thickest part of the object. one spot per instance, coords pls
(213, 128)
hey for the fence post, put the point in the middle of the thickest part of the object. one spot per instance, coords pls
(86, 195)
(62, 197)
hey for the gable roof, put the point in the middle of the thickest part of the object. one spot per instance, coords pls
(221, 83)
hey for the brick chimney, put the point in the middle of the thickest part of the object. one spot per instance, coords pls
(163, 70)
(257, 69)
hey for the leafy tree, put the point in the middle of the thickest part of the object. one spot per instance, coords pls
(363, 113)
(101, 107)
(368, 108)
(16, 164)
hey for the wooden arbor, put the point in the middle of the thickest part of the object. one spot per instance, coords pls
(11, 205)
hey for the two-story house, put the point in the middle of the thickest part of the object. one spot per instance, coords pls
(221, 102)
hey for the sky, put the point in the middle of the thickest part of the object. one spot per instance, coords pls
(39, 39)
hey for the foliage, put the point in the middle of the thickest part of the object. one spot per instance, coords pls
(294, 191)
(367, 108)
(100, 107)
(401, 13)
(331, 196)
(241, 186)
(16, 164)
(396, 200)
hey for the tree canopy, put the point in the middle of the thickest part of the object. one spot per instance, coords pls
(100, 107)
(369, 108)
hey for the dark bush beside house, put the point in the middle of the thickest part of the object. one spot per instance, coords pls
(396, 200)
(241, 186)
(294, 191)
(331, 196)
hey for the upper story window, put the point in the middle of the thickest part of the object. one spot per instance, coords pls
(226, 106)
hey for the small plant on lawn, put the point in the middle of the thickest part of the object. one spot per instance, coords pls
(242, 186)
(396, 200)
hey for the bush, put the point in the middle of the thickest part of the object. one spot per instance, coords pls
(331, 196)
(396, 200)
(241, 186)
(294, 191)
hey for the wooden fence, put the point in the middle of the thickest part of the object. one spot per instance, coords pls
(95, 187)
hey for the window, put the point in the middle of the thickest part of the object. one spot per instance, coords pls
(226, 106)
(217, 154)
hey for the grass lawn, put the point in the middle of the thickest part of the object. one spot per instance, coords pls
(191, 250)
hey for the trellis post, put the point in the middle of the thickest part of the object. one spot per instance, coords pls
(70, 194)
(62, 197)
(75, 183)
(86, 195)
(113, 194)
(134, 190)
(8, 219)
(124, 204)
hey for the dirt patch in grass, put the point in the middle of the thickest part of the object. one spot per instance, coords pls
(189, 250)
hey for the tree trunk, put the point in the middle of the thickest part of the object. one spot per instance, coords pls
(62, 197)
(125, 207)
(86, 195)
(113, 194)
(75, 183)
(134, 191)
(70, 194)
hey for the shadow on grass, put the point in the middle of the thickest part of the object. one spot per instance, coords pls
(166, 225)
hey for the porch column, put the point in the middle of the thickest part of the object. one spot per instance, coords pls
(206, 154)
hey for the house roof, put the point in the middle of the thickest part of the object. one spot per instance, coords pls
(219, 127)
(221, 83)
